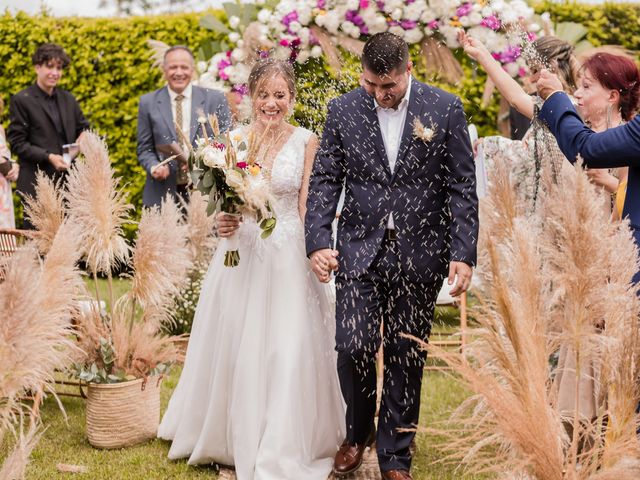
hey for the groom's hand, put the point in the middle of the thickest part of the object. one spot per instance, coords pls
(323, 262)
(463, 272)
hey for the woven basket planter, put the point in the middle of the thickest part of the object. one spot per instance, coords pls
(123, 414)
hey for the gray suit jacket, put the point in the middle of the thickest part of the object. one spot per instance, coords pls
(155, 127)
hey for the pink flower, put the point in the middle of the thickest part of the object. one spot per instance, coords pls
(464, 10)
(284, 42)
(241, 165)
(364, 4)
(433, 24)
(491, 22)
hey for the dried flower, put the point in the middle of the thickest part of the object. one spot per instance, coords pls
(421, 132)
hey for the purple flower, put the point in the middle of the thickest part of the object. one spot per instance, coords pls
(353, 17)
(531, 36)
(242, 89)
(491, 22)
(222, 64)
(380, 5)
(290, 17)
(464, 10)
(510, 54)
(433, 24)
(284, 42)
(408, 24)
(321, 4)
(364, 4)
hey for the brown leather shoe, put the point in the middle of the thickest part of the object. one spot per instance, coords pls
(396, 475)
(349, 457)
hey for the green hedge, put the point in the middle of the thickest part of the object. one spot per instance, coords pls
(111, 68)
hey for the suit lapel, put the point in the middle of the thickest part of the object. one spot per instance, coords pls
(416, 103)
(164, 106)
(197, 105)
(372, 127)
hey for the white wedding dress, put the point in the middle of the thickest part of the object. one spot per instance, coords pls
(259, 388)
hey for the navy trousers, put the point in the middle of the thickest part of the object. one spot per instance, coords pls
(383, 294)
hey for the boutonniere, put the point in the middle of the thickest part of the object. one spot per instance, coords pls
(421, 132)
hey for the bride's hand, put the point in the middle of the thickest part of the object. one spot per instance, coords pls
(472, 46)
(227, 224)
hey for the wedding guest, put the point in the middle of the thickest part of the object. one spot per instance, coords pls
(178, 102)
(9, 171)
(44, 118)
(537, 144)
(612, 148)
(259, 389)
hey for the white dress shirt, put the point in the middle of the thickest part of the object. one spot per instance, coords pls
(186, 108)
(391, 125)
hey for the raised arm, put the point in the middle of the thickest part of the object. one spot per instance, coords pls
(616, 147)
(507, 86)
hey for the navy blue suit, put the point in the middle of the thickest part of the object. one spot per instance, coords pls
(431, 193)
(616, 147)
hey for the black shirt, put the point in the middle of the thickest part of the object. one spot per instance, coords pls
(53, 109)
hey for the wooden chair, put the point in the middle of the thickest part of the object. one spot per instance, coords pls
(10, 240)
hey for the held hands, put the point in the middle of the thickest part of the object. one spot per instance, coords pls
(227, 224)
(323, 262)
(464, 273)
(547, 83)
(12, 175)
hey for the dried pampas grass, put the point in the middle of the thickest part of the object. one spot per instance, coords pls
(46, 211)
(160, 262)
(201, 240)
(98, 206)
(37, 300)
(561, 280)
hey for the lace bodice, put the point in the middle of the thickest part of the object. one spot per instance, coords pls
(286, 180)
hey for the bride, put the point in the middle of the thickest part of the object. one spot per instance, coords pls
(259, 388)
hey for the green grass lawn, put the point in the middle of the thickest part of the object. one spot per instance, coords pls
(64, 441)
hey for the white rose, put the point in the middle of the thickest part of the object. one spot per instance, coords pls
(234, 21)
(414, 10)
(238, 55)
(304, 35)
(396, 14)
(316, 51)
(353, 4)
(378, 25)
(264, 15)
(233, 37)
(213, 157)
(240, 74)
(305, 16)
(234, 179)
(282, 53)
(202, 66)
(475, 18)
(464, 21)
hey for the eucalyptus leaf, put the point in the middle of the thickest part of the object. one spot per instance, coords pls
(207, 179)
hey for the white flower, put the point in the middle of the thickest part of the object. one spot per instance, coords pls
(304, 35)
(421, 132)
(202, 67)
(234, 179)
(295, 27)
(239, 74)
(413, 36)
(316, 51)
(396, 14)
(264, 15)
(281, 53)
(397, 30)
(303, 56)
(238, 54)
(213, 157)
(233, 37)
(234, 21)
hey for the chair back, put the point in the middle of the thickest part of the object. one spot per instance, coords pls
(10, 240)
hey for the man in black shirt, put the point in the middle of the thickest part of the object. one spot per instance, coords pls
(43, 118)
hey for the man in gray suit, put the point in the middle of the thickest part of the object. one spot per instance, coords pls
(178, 102)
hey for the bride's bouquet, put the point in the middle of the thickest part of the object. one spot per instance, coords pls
(233, 178)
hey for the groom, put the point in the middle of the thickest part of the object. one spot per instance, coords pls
(410, 218)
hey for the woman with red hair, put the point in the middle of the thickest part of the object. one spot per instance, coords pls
(608, 95)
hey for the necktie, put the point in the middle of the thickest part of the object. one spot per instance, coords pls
(183, 177)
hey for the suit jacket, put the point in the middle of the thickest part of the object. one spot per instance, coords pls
(616, 147)
(33, 135)
(155, 127)
(431, 191)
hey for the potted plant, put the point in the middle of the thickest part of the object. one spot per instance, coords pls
(124, 350)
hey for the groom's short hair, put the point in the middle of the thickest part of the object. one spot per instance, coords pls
(384, 52)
